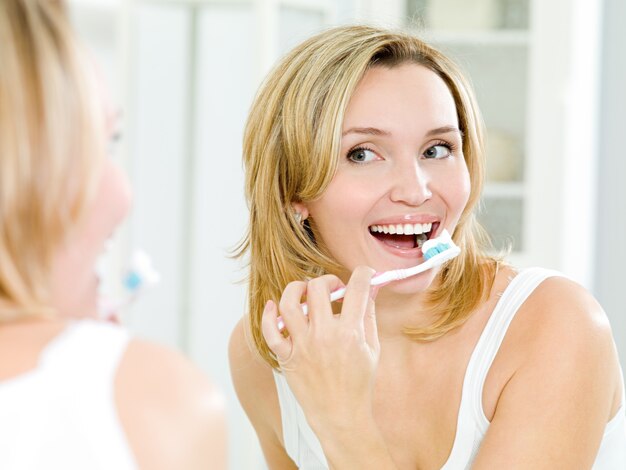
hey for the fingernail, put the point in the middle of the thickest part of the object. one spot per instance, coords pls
(269, 305)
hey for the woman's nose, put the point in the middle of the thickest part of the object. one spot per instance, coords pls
(411, 184)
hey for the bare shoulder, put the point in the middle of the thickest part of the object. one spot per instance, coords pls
(562, 327)
(255, 387)
(558, 382)
(561, 307)
(252, 378)
(173, 415)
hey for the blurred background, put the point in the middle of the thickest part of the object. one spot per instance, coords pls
(549, 78)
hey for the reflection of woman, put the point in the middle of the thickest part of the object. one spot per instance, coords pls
(361, 144)
(75, 393)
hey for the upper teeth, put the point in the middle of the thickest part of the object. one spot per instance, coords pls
(402, 229)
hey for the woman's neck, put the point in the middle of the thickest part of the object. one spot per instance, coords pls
(395, 312)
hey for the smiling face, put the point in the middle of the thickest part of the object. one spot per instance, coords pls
(401, 177)
(75, 284)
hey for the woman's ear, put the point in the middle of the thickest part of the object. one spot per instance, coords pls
(300, 211)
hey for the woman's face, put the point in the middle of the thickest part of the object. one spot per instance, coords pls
(75, 282)
(401, 178)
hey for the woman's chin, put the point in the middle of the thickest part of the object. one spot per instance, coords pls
(413, 285)
(87, 305)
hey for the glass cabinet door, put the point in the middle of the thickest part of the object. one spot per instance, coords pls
(489, 40)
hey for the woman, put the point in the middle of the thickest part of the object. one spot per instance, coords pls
(75, 392)
(360, 145)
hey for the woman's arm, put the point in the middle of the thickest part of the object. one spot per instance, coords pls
(256, 390)
(172, 415)
(565, 386)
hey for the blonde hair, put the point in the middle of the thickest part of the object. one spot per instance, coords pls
(51, 147)
(291, 150)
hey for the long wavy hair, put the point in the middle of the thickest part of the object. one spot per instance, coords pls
(51, 148)
(291, 150)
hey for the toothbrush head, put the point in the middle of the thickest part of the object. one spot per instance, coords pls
(140, 273)
(438, 245)
(440, 249)
(435, 251)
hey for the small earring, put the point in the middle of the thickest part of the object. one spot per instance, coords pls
(298, 217)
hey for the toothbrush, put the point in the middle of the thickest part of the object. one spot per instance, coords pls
(435, 251)
(139, 276)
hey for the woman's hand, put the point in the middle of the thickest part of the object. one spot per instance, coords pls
(328, 360)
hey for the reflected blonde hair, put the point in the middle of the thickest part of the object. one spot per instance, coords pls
(291, 150)
(51, 147)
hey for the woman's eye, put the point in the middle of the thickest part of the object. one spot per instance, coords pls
(113, 142)
(437, 151)
(361, 155)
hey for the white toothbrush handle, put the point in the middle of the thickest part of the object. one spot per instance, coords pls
(334, 296)
(390, 276)
(378, 280)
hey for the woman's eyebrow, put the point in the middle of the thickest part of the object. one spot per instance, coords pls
(376, 131)
(444, 130)
(365, 130)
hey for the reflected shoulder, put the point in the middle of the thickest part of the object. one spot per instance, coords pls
(172, 413)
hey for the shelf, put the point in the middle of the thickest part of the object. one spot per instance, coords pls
(502, 215)
(504, 190)
(109, 5)
(307, 5)
(194, 3)
(520, 38)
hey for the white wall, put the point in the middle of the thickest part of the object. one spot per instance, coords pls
(192, 81)
(158, 132)
(224, 87)
(610, 280)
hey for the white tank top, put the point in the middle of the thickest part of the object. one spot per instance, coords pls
(62, 415)
(305, 449)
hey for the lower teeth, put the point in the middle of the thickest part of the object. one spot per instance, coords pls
(420, 239)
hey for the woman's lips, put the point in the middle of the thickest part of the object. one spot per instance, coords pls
(404, 242)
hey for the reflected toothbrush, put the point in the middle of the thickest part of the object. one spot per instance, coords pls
(139, 276)
(435, 251)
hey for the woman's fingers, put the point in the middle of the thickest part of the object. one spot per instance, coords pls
(369, 322)
(355, 303)
(357, 309)
(318, 298)
(291, 310)
(281, 347)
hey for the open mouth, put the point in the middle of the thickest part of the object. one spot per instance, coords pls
(404, 236)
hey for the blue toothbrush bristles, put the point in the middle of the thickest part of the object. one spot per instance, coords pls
(132, 281)
(434, 246)
(436, 250)
(140, 273)
(139, 276)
